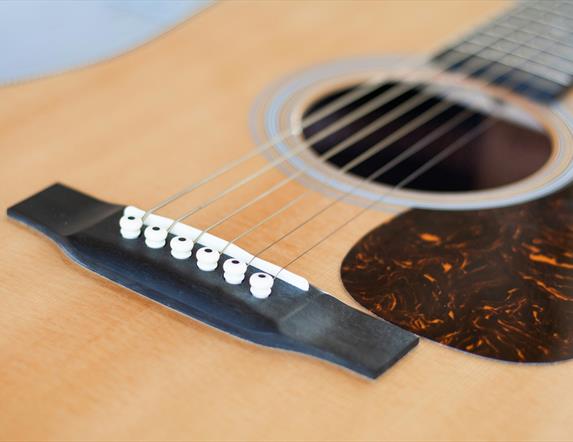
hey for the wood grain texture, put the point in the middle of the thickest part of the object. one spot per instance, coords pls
(81, 359)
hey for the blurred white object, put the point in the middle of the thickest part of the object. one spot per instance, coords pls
(43, 37)
(261, 285)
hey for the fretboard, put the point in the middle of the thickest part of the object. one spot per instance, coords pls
(528, 49)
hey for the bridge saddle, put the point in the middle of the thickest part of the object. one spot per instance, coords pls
(183, 240)
(297, 316)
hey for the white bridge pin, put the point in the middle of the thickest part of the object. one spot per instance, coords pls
(261, 284)
(155, 237)
(181, 247)
(207, 259)
(234, 271)
(130, 226)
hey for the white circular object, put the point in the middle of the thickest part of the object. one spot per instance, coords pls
(278, 109)
(261, 284)
(234, 271)
(207, 259)
(181, 247)
(155, 237)
(130, 226)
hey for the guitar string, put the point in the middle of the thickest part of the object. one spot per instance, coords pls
(505, 37)
(428, 165)
(515, 54)
(402, 183)
(552, 74)
(335, 150)
(340, 103)
(416, 147)
(535, 34)
(445, 153)
(340, 198)
(512, 40)
(418, 172)
(294, 131)
(560, 8)
(450, 150)
(543, 21)
(423, 118)
(351, 164)
(543, 10)
(371, 106)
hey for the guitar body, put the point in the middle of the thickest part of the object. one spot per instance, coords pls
(83, 358)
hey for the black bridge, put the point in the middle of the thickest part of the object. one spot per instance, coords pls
(309, 322)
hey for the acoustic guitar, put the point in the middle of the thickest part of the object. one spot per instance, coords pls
(292, 235)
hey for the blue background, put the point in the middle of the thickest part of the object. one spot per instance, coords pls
(42, 37)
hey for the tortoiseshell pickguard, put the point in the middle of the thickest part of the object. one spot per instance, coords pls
(497, 283)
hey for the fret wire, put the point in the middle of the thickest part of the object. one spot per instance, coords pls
(348, 221)
(493, 62)
(288, 179)
(538, 28)
(561, 5)
(529, 45)
(494, 47)
(404, 182)
(534, 63)
(541, 36)
(346, 167)
(548, 74)
(511, 65)
(259, 149)
(542, 21)
(544, 34)
(371, 105)
(448, 151)
(518, 12)
(514, 65)
(210, 177)
(495, 67)
(513, 29)
(536, 7)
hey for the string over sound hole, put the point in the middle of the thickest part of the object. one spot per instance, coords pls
(509, 151)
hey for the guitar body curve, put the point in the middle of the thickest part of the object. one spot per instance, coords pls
(82, 357)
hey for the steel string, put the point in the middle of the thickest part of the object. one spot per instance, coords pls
(338, 104)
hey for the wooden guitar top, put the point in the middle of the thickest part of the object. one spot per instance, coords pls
(81, 358)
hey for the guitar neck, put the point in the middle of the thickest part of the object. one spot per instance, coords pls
(531, 43)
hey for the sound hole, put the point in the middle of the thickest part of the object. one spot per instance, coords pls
(508, 151)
